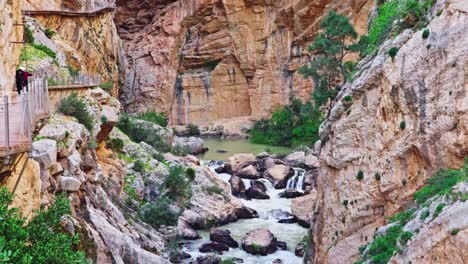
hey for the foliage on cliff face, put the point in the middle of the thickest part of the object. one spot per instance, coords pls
(41, 240)
(293, 125)
(384, 246)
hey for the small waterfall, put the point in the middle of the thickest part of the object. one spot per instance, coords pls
(269, 186)
(297, 181)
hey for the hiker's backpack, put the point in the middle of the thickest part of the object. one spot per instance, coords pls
(19, 79)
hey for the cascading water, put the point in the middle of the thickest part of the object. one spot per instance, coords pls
(297, 181)
(270, 212)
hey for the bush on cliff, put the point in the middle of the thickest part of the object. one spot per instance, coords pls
(293, 125)
(41, 240)
(159, 213)
(154, 117)
(74, 106)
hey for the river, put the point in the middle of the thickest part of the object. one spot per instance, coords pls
(292, 234)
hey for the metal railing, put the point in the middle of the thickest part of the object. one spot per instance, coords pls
(20, 113)
(76, 81)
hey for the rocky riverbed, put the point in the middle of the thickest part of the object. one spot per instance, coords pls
(277, 189)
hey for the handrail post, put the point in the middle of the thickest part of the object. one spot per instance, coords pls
(7, 121)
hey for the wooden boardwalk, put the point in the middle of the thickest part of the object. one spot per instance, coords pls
(69, 13)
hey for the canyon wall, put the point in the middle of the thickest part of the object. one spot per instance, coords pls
(88, 44)
(408, 117)
(9, 53)
(207, 60)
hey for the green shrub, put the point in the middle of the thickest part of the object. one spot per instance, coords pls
(177, 182)
(377, 176)
(138, 132)
(72, 71)
(425, 33)
(348, 98)
(454, 231)
(154, 117)
(383, 247)
(228, 261)
(393, 52)
(438, 209)
(424, 214)
(441, 183)
(107, 86)
(193, 130)
(402, 125)
(104, 120)
(139, 166)
(49, 33)
(403, 217)
(360, 175)
(116, 144)
(46, 50)
(428, 46)
(405, 237)
(29, 37)
(41, 241)
(404, 181)
(293, 125)
(159, 213)
(345, 203)
(74, 106)
(213, 190)
(191, 173)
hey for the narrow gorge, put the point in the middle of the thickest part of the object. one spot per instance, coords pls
(234, 131)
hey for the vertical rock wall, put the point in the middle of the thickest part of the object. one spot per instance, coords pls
(202, 61)
(408, 118)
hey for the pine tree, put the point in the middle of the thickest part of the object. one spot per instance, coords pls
(330, 47)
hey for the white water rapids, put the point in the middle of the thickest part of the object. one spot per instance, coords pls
(292, 234)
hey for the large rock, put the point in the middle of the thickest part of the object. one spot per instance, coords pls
(311, 161)
(223, 236)
(279, 175)
(70, 184)
(249, 172)
(45, 152)
(209, 259)
(240, 161)
(193, 144)
(256, 192)
(185, 231)
(302, 208)
(295, 158)
(237, 186)
(259, 242)
(213, 247)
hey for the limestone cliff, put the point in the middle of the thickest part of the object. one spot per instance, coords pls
(202, 61)
(408, 117)
(9, 32)
(88, 43)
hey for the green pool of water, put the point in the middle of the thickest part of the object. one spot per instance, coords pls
(236, 146)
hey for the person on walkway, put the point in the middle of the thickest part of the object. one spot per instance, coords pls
(25, 79)
(19, 80)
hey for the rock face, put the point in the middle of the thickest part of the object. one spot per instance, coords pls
(243, 62)
(426, 89)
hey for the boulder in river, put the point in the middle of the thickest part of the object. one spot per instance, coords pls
(240, 161)
(214, 247)
(283, 217)
(223, 236)
(185, 231)
(300, 249)
(208, 259)
(291, 193)
(249, 172)
(256, 192)
(225, 168)
(263, 155)
(277, 261)
(259, 242)
(237, 186)
(279, 175)
(246, 213)
(282, 245)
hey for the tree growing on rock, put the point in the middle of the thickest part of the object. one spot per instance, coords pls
(336, 40)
